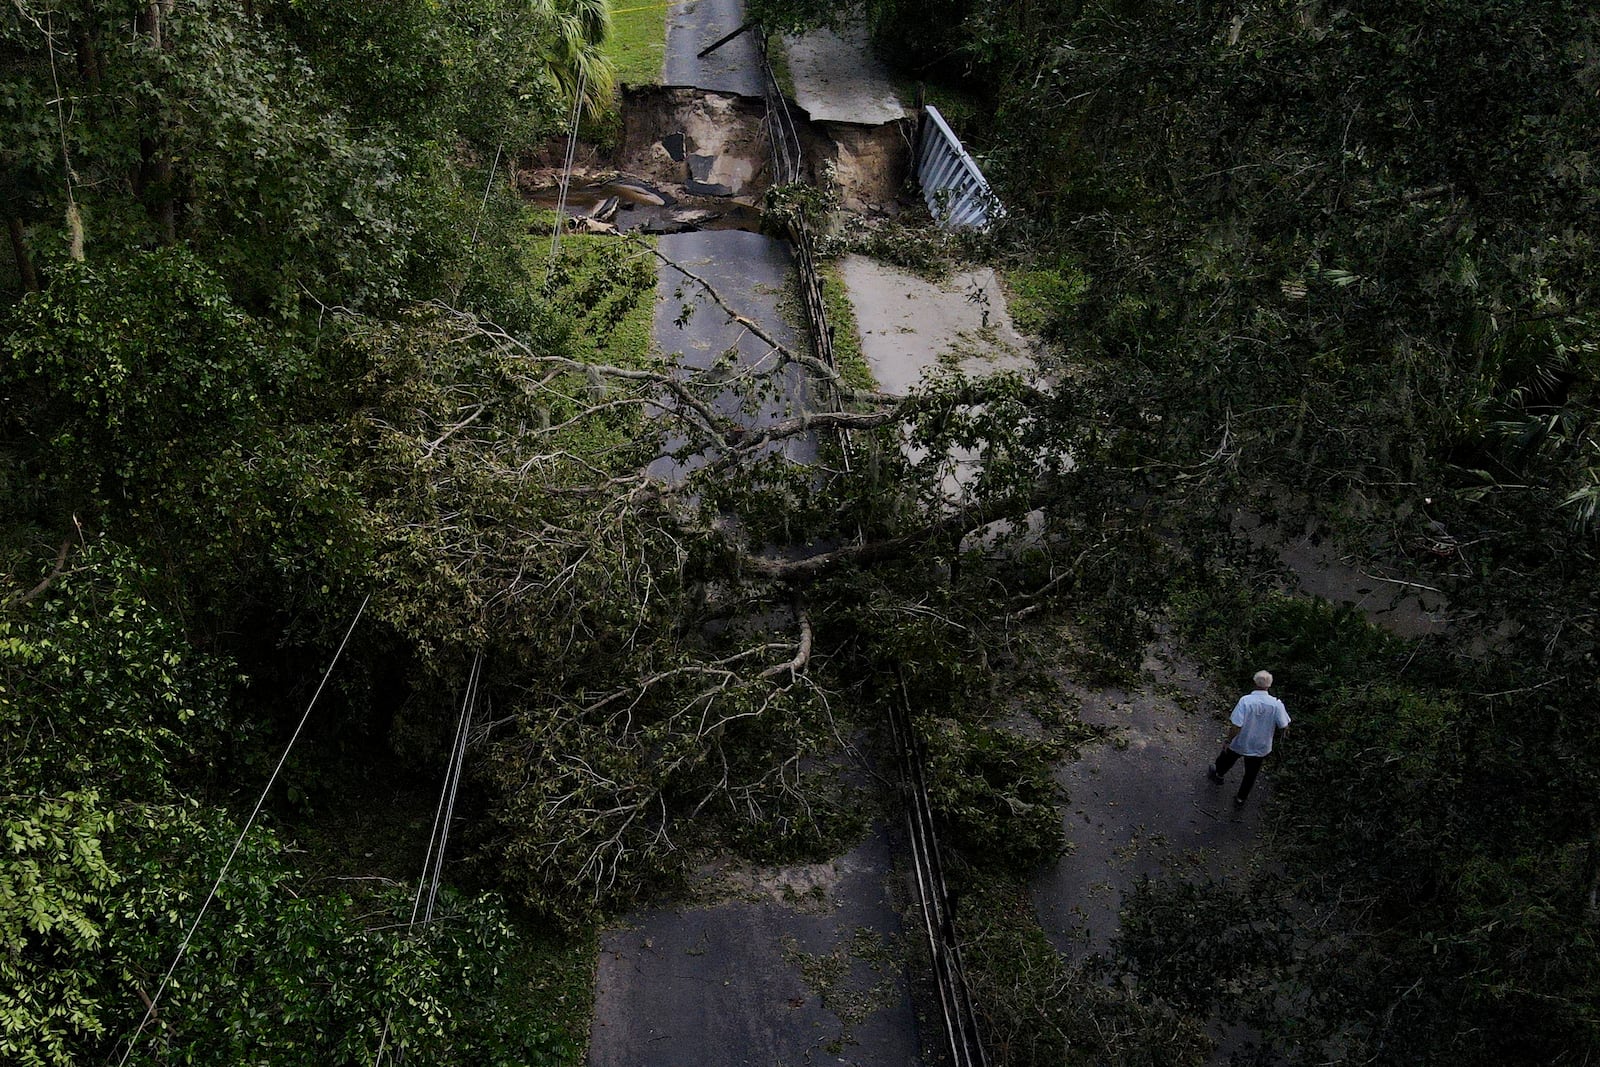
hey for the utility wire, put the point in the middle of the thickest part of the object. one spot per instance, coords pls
(150, 1010)
(459, 760)
(566, 169)
(433, 858)
(488, 186)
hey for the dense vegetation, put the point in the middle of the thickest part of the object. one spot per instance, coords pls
(223, 219)
(281, 362)
(1335, 262)
(267, 347)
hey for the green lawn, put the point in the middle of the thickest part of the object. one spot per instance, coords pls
(638, 43)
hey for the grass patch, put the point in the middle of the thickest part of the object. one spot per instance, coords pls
(604, 289)
(846, 333)
(778, 57)
(598, 301)
(1041, 300)
(637, 46)
(637, 51)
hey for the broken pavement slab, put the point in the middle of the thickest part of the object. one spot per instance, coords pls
(733, 68)
(711, 175)
(838, 79)
(865, 130)
(911, 326)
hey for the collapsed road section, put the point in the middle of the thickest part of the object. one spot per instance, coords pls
(697, 154)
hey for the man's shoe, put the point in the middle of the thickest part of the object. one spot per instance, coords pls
(1238, 802)
(1211, 773)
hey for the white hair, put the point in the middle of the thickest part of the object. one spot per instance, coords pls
(1263, 679)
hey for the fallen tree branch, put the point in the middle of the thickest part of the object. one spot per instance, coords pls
(785, 353)
(33, 594)
(953, 527)
(802, 655)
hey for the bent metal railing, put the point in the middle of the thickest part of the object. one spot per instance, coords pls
(955, 189)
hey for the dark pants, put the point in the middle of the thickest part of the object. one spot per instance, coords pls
(1252, 767)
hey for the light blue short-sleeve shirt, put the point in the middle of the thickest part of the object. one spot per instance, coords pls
(1257, 715)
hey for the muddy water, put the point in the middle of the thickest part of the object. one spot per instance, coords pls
(644, 207)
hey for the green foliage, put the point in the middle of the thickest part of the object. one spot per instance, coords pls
(1197, 945)
(923, 249)
(98, 685)
(472, 66)
(1341, 264)
(600, 295)
(94, 904)
(575, 57)
(310, 149)
(995, 792)
(52, 885)
(1037, 1008)
(143, 373)
(215, 394)
(1039, 299)
(594, 802)
(1475, 898)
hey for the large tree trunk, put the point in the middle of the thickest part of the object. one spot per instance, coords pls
(155, 179)
(148, 23)
(19, 249)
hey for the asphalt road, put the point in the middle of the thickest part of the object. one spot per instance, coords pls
(786, 966)
(733, 68)
(803, 966)
(751, 272)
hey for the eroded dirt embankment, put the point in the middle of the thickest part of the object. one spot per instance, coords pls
(696, 159)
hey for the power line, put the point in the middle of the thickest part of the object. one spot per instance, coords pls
(488, 186)
(150, 1010)
(458, 760)
(433, 858)
(566, 169)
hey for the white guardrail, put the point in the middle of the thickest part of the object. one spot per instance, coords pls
(952, 184)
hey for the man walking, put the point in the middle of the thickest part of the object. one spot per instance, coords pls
(1256, 719)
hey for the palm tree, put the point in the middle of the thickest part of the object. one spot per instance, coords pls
(573, 57)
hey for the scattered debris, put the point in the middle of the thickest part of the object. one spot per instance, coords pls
(635, 191)
(700, 183)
